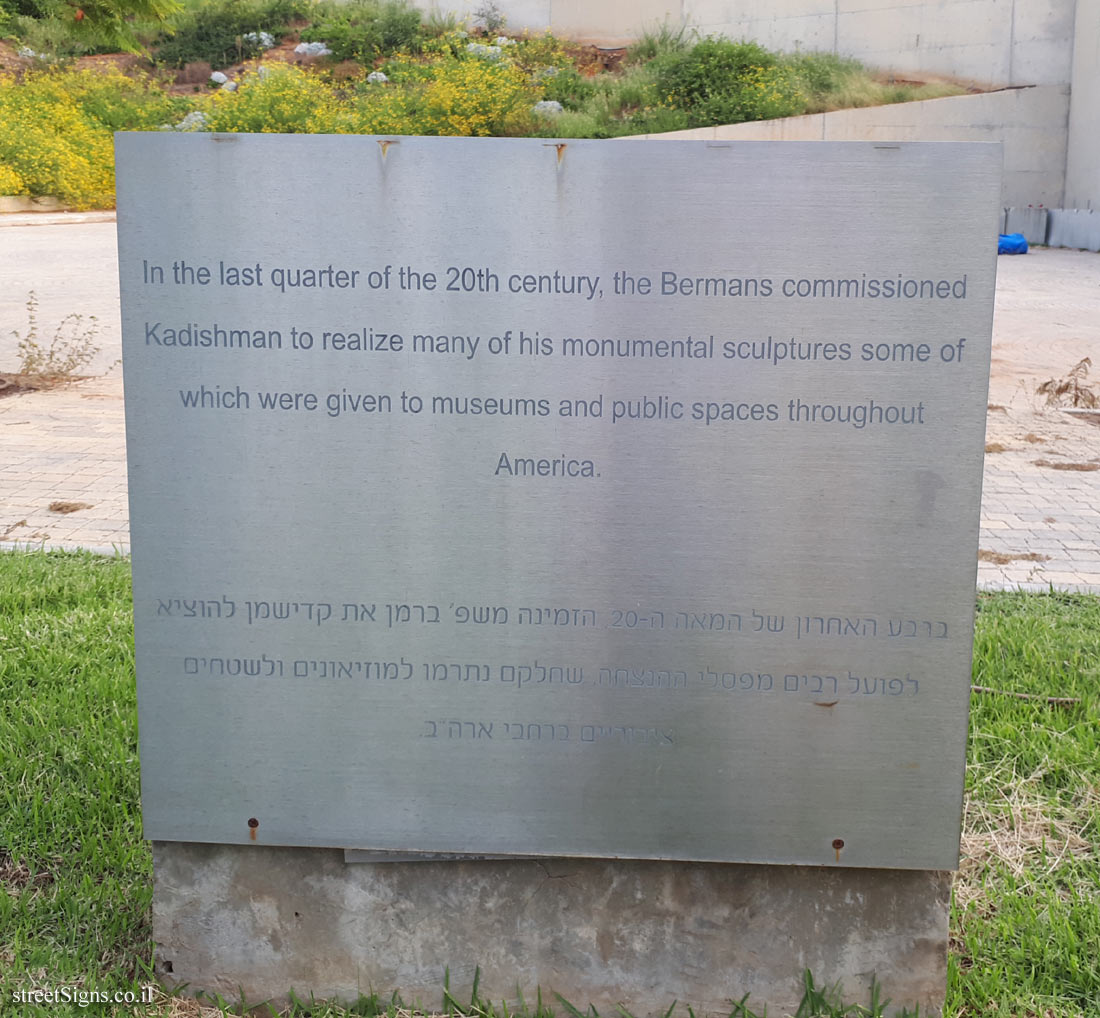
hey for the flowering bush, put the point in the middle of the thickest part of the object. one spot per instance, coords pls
(56, 131)
(473, 97)
(10, 181)
(283, 100)
(55, 126)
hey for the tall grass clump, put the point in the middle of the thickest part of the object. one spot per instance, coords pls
(659, 41)
(831, 82)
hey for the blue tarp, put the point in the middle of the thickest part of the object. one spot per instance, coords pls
(1012, 243)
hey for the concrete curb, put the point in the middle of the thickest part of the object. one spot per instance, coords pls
(108, 551)
(55, 218)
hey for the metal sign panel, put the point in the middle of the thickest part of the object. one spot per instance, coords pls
(503, 496)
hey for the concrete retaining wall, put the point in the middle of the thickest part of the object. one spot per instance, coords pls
(994, 42)
(1083, 158)
(1029, 122)
(1050, 43)
(258, 920)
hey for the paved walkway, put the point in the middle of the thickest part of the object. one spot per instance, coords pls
(65, 447)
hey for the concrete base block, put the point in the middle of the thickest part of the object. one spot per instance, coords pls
(262, 921)
(25, 203)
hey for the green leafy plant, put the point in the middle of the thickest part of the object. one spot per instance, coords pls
(719, 81)
(365, 30)
(60, 28)
(224, 32)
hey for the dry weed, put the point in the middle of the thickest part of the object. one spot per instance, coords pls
(1072, 390)
(1028, 836)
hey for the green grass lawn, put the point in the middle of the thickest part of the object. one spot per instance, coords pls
(75, 875)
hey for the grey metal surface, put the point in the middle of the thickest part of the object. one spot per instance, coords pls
(1030, 221)
(742, 640)
(1077, 228)
(353, 856)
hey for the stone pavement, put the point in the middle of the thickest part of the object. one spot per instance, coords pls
(1040, 508)
(1040, 527)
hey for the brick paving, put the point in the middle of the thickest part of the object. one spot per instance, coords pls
(1053, 515)
(68, 445)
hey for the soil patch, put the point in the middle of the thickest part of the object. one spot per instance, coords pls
(128, 63)
(68, 507)
(10, 60)
(1002, 559)
(1081, 467)
(16, 876)
(12, 385)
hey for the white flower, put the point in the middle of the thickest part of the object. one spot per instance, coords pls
(377, 78)
(194, 121)
(478, 49)
(503, 40)
(265, 40)
(218, 77)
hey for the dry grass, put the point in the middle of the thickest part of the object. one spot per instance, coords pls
(168, 1006)
(69, 507)
(13, 384)
(1024, 834)
(16, 876)
(1082, 467)
(1002, 559)
(1071, 390)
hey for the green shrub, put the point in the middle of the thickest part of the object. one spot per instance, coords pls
(64, 28)
(366, 30)
(719, 81)
(539, 53)
(27, 8)
(217, 31)
(52, 39)
(568, 87)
